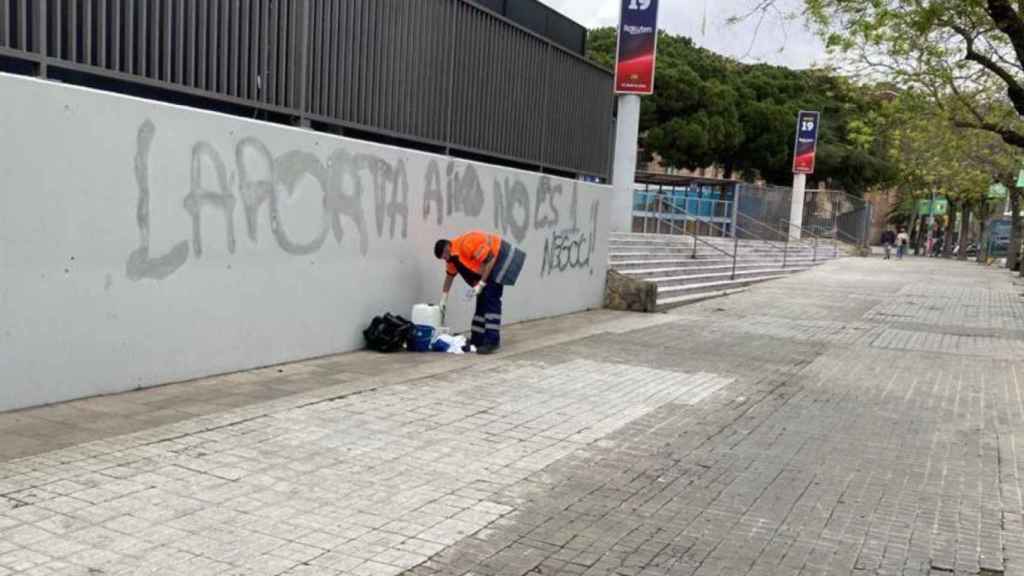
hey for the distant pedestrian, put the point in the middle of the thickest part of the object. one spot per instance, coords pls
(902, 241)
(888, 241)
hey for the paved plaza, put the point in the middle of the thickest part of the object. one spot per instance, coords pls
(861, 418)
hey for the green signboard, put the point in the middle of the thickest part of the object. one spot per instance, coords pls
(941, 207)
(997, 192)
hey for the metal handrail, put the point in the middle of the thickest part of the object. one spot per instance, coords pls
(696, 237)
(763, 225)
(835, 248)
(853, 240)
(736, 238)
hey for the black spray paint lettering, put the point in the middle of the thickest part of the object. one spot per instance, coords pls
(432, 192)
(340, 188)
(278, 180)
(289, 169)
(393, 179)
(571, 249)
(254, 191)
(463, 193)
(512, 209)
(345, 197)
(200, 197)
(545, 213)
(140, 265)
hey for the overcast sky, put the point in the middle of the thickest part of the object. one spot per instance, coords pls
(779, 41)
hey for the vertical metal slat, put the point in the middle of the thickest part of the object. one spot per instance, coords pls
(189, 57)
(282, 53)
(142, 39)
(265, 45)
(5, 19)
(130, 37)
(314, 62)
(236, 46)
(169, 30)
(71, 30)
(102, 37)
(332, 61)
(54, 43)
(212, 54)
(202, 21)
(274, 56)
(255, 41)
(348, 94)
(245, 21)
(88, 31)
(155, 39)
(324, 53)
(22, 26)
(117, 61)
(224, 46)
(386, 95)
(327, 34)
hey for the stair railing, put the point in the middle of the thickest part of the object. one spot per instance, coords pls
(679, 210)
(792, 227)
(786, 238)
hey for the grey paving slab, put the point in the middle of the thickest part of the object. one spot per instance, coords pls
(862, 418)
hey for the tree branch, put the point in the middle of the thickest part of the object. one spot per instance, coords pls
(1009, 135)
(1013, 88)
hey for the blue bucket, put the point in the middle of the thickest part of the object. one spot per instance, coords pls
(419, 339)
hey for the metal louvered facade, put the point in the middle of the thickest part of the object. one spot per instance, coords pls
(449, 75)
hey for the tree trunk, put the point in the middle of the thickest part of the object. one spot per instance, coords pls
(922, 235)
(1013, 249)
(915, 236)
(984, 212)
(965, 231)
(947, 243)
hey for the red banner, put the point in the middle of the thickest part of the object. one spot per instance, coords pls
(638, 47)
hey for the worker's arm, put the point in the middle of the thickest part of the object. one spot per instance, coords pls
(485, 271)
(448, 279)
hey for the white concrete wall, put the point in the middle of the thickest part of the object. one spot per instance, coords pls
(142, 243)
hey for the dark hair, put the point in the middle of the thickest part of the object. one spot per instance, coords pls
(439, 247)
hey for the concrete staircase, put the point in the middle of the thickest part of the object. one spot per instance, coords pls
(668, 262)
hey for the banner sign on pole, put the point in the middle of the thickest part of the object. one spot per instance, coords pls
(806, 142)
(638, 47)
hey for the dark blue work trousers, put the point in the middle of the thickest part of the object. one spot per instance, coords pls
(487, 320)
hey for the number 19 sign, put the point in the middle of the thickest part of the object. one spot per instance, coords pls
(806, 142)
(638, 45)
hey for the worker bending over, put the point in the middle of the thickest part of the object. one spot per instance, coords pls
(488, 264)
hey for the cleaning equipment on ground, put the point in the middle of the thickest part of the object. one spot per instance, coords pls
(420, 338)
(387, 333)
(427, 320)
(427, 315)
(450, 344)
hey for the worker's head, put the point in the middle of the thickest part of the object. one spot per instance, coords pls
(443, 249)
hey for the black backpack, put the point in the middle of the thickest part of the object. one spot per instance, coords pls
(387, 333)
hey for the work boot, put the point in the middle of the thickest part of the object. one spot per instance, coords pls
(487, 349)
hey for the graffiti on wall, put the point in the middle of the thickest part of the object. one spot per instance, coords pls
(360, 197)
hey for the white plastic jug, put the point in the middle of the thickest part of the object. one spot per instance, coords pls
(426, 315)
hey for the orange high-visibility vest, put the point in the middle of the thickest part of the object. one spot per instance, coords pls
(473, 250)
